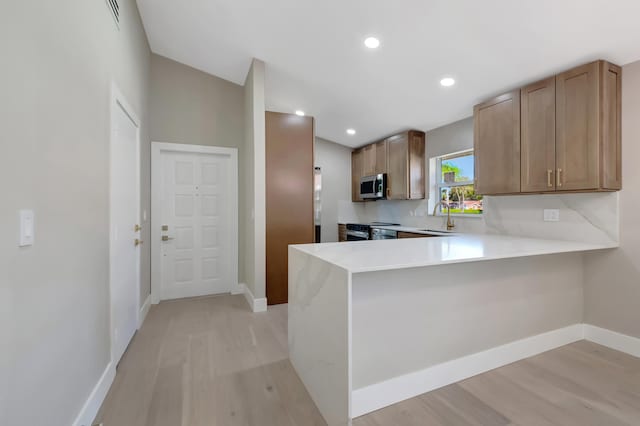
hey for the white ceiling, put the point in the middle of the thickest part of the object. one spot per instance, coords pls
(317, 62)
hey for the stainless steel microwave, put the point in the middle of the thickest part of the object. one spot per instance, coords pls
(373, 187)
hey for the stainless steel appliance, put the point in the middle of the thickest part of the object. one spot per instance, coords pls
(373, 187)
(383, 234)
(357, 232)
(362, 231)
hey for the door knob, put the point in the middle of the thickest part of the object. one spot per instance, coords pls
(137, 242)
(137, 228)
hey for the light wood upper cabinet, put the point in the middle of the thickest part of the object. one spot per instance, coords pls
(397, 165)
(369, 160)
(357, 160)
(416, 170)
(588, 117)
(577, 129)
(559, 134)
(381, 157)
(611, 126)
(406, 166)
(401, 157)
(497, 145)
(538, 136)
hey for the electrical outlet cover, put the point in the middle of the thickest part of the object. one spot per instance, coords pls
(551, 215)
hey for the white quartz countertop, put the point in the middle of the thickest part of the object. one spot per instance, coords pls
(380, 255)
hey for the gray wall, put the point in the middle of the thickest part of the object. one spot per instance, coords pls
(58, 62)
(192, 107)
(335, 162)
(253, 216)
(612, 292)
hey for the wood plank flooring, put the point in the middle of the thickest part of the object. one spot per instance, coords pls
(210, 361)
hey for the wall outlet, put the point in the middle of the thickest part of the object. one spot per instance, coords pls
(551, 215)
(27, 228)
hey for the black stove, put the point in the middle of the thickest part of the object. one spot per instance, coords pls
(362, 231)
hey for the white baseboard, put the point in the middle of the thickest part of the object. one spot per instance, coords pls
(612, 339)
(144, 310)
(383, 394)
(92, 405)
(256, 305)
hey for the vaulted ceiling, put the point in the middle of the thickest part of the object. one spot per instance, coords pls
(317, 62)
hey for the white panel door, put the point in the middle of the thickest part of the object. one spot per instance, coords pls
(124, 216)
(196, 246)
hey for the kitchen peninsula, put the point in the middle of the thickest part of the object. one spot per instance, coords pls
(372, 323)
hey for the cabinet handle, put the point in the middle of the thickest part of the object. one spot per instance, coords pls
(558, 178)
(388, 192)
(549, 181)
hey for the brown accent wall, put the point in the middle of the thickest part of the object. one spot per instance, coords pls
(289, 191)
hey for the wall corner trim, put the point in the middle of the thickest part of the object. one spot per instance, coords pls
(144, 310)
(96, 398)
(612, 339)
(256, 305)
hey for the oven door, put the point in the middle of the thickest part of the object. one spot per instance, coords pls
(357, 235)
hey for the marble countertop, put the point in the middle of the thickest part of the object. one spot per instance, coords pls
(381, 255)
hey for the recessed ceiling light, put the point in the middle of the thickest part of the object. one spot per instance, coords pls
(351, 132)
(300, 113)
(447, 82)
(372, 42)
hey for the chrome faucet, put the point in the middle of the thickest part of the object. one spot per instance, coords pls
(450, 224)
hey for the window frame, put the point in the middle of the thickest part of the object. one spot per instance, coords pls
(439, 184)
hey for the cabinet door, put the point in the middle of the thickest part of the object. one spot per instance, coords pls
(577, 151)
(289, 158)
(416, 165)
(497, 145)
(356, 173)
(342, 232)
(381, 157)
(369, 160)
(611, 164)
(397, 166)
(402, 234)
(538, 136)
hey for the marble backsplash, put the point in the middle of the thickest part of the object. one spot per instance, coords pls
(589, 217)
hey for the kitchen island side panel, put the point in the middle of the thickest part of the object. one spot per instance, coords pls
(319, 333)
(412, 319)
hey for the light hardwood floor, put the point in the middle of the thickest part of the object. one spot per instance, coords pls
(210, 361)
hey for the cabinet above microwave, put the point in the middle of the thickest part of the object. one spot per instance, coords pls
(401, 157)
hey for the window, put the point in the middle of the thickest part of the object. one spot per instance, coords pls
(454, 174)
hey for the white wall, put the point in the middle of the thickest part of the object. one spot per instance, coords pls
(335, 163)
(612, 291)
(254, 163)
(58, 62)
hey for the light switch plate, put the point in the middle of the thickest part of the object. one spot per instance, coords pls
(27, 228)
(551, 215)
